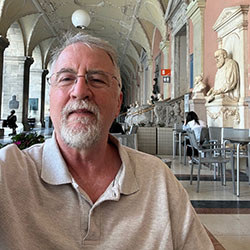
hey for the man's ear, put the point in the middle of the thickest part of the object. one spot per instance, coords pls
(119, 103)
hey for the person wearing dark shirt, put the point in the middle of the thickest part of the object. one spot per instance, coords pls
(11, 121)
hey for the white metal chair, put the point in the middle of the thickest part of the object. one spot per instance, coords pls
(208, 156)
(204, 138)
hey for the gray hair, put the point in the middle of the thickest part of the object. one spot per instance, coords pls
(91, 42)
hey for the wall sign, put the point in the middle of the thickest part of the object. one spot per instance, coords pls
(165, 72)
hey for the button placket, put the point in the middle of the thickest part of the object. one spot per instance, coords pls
(94, 225)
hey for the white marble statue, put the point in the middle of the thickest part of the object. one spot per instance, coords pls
(199, 87)
(159, 97)
(227, 78)
(149, 102)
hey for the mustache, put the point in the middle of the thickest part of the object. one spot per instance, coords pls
(73, 106)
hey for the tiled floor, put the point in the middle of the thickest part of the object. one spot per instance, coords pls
(224, 214)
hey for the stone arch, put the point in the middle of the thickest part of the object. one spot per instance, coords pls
(13, 69)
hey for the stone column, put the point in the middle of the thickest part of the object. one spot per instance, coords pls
(26, 80)
(150, 76)
(44, 74)
(195, 11)
(4, 43)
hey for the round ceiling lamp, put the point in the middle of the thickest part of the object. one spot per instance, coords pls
(80, 19)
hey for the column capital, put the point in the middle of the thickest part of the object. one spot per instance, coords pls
(45, 72)
(28, 61)
(150, 61)
(164, 44)
(4, 43)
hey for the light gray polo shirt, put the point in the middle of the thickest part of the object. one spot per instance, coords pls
(41, 207)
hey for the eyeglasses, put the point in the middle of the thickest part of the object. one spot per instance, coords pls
(96, 79)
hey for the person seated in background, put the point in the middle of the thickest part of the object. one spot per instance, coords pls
(116, 127)
(192, 122)
(11, 121)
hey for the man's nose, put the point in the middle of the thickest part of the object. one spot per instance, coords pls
(80, 89)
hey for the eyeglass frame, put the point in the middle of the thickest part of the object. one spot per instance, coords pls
(85, 76)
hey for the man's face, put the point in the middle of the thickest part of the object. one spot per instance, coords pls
(219, 58)
(82, 112)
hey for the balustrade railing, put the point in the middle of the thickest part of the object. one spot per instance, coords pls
(163, 113)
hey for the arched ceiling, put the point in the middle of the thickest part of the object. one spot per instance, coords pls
(127, 24)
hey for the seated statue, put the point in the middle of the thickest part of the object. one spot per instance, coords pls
(199, 87)
(227, 78)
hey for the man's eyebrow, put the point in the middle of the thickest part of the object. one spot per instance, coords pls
(99, 71)
(63, 70)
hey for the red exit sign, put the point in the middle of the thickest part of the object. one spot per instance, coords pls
(165, 72)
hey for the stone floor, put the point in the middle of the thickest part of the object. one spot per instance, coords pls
(224, 214)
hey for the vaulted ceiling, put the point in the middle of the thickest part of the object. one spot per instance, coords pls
(127, 24)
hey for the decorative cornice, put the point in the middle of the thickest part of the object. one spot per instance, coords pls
(230, 14)
(195, 6)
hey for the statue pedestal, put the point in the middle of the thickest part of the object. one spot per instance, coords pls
(223, 112)
(198, 106)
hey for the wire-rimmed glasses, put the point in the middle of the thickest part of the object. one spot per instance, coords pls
(94, 78)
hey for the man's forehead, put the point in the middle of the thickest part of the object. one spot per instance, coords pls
(71, 53)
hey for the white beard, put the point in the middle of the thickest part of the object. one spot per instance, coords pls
(81, 137)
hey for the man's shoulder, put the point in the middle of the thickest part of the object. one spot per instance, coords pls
(12, 154)
(10, 151)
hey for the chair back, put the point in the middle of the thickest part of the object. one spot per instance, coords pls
(204, 137)
(192, 139)
(215, 133)
(226, 132)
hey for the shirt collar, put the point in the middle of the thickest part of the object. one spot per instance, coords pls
(55, 171)
(128, 182)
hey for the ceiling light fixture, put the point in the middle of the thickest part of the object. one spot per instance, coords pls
(80, 19)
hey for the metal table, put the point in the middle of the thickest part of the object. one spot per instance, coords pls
(239, 141)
